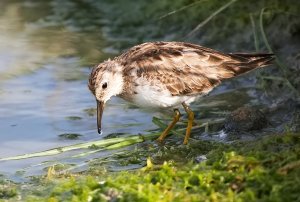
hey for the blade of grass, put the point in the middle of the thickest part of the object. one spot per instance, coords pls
(282, 67)
(108, 144)
(110, 147)
(87, 153)
(262, 30)
(214, 14)
(206, 128)
(256, 43)
(211, 121)
(180, 9)
(273, 78)
(200, 124)
(162, 125)
(128, 142)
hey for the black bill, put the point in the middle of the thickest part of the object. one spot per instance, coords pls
(100, 108)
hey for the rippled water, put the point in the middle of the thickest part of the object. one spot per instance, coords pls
(44, 66)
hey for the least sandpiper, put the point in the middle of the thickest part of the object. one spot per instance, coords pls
(168, 75)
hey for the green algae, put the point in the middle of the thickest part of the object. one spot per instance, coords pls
(69, 136)
(7, 189)
(90, 111)
(266, 169)
(73, 118)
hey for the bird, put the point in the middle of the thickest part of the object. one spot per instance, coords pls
(168, 75)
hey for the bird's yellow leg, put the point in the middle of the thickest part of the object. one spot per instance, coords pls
(172, 124)
(190, 122)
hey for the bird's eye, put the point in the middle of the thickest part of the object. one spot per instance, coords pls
(104, 85)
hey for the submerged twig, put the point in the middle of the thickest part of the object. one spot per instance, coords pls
(210, 18)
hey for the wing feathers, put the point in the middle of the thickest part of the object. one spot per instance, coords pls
(187, 69)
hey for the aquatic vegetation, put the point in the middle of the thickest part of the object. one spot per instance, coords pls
(69, 136)
(7, 189)
(106, 144)
(267, 170)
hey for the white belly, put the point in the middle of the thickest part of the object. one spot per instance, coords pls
(156, 97)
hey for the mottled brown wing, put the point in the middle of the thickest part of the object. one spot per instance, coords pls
(184, 68)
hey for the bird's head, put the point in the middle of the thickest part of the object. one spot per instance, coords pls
(106, 80)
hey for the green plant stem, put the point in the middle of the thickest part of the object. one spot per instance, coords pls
(282, 67)
(214, 14)
(113, 143)
(180, 9)
(256, 43)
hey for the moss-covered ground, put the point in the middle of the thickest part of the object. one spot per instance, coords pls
(266, 169)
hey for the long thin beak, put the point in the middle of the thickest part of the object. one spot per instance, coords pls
(100, 108)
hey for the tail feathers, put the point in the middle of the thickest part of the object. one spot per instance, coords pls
(248, 61)
(262, 58)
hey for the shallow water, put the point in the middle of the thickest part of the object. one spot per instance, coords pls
(44, 68)
(43, 86)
